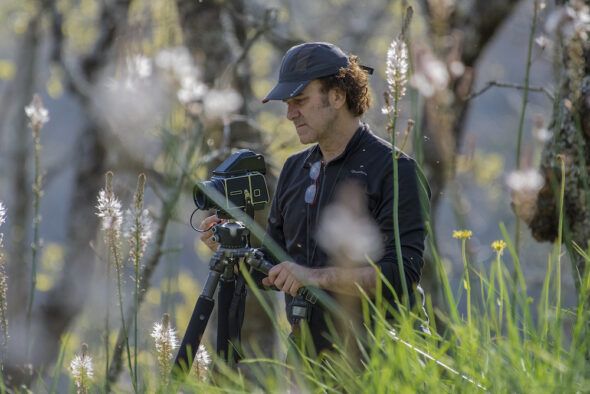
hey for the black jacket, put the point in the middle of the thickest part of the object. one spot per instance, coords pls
(367, 159)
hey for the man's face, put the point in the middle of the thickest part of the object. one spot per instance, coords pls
(311, 113)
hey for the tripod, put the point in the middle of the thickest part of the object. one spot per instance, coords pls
(233, 238)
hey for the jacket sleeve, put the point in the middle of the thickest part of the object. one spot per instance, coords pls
(413, 195)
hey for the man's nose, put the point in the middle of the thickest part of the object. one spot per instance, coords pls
(292, 111)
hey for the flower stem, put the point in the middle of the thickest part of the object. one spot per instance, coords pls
(395, 157)
(35, 246)
(107, 329)
(467, 282)
(118, 265)
(138, 246)
(525, 97)
(558, 254)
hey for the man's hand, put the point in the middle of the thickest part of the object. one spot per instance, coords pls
(207, 236)
(290, 277)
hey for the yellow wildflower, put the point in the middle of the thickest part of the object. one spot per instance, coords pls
(499, 246)
(462, 234)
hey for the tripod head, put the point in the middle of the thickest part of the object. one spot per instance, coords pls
(231, 235)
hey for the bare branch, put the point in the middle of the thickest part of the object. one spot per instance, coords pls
(498, 84)
(269, 21)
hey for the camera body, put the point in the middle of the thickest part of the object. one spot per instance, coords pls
(236, 183)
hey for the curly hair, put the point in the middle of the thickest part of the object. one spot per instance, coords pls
(353, 81)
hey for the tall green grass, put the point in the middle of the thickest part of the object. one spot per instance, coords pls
(498, 350)
(490, 344)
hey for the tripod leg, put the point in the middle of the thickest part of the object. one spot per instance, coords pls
(236, 317)
(196, 327)
(224, 299)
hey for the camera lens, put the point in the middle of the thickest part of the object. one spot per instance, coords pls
(202, 191)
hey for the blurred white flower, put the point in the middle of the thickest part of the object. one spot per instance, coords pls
(542, 41)
(191, 90)
(540, 132)
(164, 337)
(133, 103)
(133, 100)
(2, 213)
(140, 223)
(397, 68)
(346, 231)
(139, 66)
(178, 62)
(38, 115)
(221, 103)
(569, 20)
(457, 68)
(132, 81)
(524, 186)
(165, 341)
(431, 74)
(109, 210)
(81, 369)
(2, 220)
(202, 363)
(529, 180)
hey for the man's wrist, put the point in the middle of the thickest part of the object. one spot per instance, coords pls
(344, 280)
(321, 277)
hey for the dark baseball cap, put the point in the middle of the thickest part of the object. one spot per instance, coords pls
(302, 64)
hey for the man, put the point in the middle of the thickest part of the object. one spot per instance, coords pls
(326, 93)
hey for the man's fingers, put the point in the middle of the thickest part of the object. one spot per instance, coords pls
(291, 286)
(274, 272)
(287, 284)
(208, 222)
(207, 235)
(294, 288)
(278, 281)
(283, 278)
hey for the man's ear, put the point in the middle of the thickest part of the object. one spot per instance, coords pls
(337, 97)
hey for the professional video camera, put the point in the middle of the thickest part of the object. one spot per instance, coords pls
(240, 182)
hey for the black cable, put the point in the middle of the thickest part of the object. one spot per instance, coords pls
(196, 229)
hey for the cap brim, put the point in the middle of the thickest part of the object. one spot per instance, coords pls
(285, 90)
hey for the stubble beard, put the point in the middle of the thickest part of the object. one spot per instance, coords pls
(327, 129)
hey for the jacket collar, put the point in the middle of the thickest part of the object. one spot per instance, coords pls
(315, 153)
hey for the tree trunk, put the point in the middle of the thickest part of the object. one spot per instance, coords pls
(570, 125)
